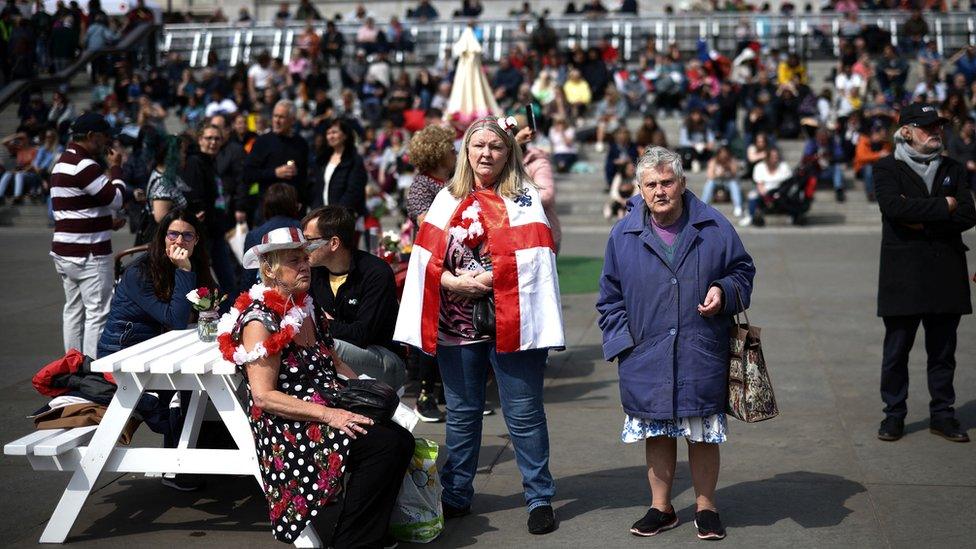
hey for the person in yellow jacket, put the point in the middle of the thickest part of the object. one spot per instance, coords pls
(578, 93)
(791, 70)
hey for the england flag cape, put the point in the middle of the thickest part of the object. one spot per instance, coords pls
(528, 314)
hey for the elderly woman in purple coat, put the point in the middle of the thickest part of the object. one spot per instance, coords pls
(672, 269)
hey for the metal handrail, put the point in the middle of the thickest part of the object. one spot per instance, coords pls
(628, 33)
(16, 88)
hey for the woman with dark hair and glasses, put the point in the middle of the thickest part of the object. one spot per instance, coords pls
(150, 299)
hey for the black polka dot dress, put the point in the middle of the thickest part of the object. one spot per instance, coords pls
(302, 462)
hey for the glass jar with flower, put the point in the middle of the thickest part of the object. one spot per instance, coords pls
(206, 301)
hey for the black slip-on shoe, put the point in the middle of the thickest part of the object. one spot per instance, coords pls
(892, 429)
(451, 511)
(542, 520)
(654, 522)
(948, 429)
(709, 525)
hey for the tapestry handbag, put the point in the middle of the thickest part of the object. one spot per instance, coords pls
(751, 396)
(369, 397)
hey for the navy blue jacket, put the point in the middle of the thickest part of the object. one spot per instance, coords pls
(673, 362)
(137, 314)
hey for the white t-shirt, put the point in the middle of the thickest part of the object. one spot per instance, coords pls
(563, 142)
(226, 106)
(771, 180)
(327, 177)
(260, 75)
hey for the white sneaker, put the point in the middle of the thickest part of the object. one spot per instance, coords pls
(737, 212)
(600, 146)
(745, 221)
(695, 166)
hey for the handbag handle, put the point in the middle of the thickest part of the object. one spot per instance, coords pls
(742, 307)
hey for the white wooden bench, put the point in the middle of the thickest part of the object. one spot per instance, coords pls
(176, 360)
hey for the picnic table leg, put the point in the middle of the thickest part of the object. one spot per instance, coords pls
(221, 390)
(194, 418)
(102, 444)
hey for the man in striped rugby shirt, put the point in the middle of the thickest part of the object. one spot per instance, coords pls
(85, 199)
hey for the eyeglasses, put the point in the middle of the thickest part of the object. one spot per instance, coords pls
(188, 236)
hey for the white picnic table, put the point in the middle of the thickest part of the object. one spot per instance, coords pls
(175, 360)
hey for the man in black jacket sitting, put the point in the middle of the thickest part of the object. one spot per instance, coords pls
(357, 291)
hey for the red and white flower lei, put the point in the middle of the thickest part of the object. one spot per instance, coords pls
(291, 322)
(470, 228)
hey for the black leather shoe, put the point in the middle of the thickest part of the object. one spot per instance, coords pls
(542, 520)
(892, 429)
(451, 511)
(948, 429)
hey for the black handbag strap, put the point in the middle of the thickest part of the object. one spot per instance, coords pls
(742, 308)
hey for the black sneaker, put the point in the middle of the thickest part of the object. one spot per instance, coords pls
(948, 429)
(427, 409)
(183, 483)
(390, 542)
(542, 520)
(654, 522)
(709, 525)
(892, 429)
(839, 193)
(451, 511)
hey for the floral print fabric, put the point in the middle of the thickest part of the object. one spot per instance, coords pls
(301, 462)
(696, 429)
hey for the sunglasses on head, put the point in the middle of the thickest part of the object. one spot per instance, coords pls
(175, 235)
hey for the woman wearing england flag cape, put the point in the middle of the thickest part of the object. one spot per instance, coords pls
(485, 252)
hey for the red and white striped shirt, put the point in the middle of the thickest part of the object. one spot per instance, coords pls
(84, 200)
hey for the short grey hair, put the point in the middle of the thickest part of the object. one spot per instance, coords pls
(288, 104)
(655, 157)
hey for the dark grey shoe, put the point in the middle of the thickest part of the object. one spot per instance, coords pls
(892, 429)
(948, 429)
(654, 522)
(542, 520)
(709, 525)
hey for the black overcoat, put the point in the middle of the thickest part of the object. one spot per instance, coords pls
(923, 258)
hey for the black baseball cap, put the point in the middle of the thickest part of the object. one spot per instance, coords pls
(90, 122)
(920, 114)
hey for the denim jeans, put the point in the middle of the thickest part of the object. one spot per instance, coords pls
(464, 371)
(867, 173)
(735, 191)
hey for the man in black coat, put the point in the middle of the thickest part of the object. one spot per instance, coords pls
(230, 171)
(925, 206)
(357, 291)
(279, 156)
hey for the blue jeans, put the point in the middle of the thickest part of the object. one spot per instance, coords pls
(867, 173)
(735, 191)
(464, 371)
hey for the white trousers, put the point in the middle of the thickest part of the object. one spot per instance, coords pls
(87, 297)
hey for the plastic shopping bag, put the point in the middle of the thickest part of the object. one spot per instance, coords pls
(418, 516)
(235, 238)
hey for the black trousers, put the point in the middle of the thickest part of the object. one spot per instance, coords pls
(940, 345)
(375, 469)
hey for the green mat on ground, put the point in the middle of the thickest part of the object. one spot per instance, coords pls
(579, 275)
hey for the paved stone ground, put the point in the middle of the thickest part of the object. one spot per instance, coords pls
(814, 477)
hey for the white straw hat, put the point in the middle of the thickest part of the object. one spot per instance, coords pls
(285, 238)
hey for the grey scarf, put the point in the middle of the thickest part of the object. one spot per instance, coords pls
(925, 165)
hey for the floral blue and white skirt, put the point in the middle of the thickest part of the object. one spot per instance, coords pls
(710, 429)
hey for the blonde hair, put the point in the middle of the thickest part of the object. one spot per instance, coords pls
(512, 178)
(428, 147)
(270, 264)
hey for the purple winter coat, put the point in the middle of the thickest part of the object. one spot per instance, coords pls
(672, 362)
